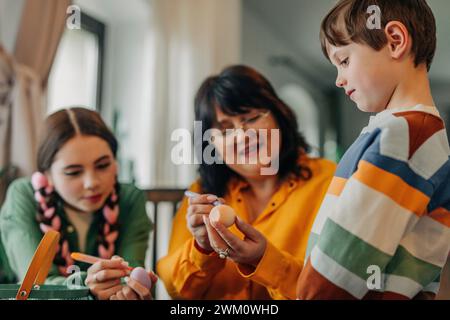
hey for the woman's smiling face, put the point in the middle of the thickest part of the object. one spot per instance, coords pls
(252, 146)
(84, 172)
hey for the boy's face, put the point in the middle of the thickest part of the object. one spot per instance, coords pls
(367, 76)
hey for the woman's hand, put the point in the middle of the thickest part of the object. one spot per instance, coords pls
(134, 290)
(200, 206)
(248, 251)
(103, 277)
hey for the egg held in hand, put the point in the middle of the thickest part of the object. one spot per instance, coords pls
(223, 214)
(140, 275)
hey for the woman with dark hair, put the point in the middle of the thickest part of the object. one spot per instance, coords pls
(273, 186)
(76, 193)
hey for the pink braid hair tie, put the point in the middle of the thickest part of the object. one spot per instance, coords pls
(45, 228)
(49, 189)
(39, 197)
(104, 253)
(56, 223)
(111, 214)
(112, 237)
(106, 228)
(39, 181)
(48, 213)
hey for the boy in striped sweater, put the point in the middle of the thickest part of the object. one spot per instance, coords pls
(383, 230)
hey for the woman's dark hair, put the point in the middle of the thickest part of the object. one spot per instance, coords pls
(236, 90)
(63, 125)
(58, 129)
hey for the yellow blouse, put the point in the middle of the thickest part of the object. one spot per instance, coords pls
(286, 222)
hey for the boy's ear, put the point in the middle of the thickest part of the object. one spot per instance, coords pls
(399, 40)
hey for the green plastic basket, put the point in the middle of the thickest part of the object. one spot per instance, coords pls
(46, 292)
(33, 287)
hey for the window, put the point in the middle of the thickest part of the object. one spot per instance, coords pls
(76, 75)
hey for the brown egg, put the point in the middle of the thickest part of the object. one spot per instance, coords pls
(223, 214)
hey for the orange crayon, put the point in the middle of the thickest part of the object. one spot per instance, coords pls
(81, 257)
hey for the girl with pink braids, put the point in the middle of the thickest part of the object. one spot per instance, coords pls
(76, 193)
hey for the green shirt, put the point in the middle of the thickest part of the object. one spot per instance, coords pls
(20, 232)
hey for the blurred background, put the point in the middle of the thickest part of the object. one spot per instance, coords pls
(140, 62)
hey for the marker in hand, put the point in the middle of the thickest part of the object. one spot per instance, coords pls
(139, 274)
(220, 213)
(81, 257)
(191, 194)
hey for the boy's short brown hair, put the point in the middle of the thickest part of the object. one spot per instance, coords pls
(347, 22)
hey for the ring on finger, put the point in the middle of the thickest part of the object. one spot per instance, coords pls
(223, 254)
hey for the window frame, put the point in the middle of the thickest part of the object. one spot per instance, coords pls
(98, 28)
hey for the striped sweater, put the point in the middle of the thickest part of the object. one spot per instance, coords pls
(383, 230)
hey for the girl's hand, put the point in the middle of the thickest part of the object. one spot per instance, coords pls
(103, 277)
(134, 290)
(248, 251)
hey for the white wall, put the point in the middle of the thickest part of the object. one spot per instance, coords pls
(130, 90)
(259, 44)
(442, 99)
(126, 72)
(10, 15)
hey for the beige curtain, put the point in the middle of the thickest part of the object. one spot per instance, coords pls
(23, 78)
(39, 33)
(27, 114)
(190, 40)
(6, 85)
(21, 113)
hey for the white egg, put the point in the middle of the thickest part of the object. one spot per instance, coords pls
(140, 275)
(223, 214)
